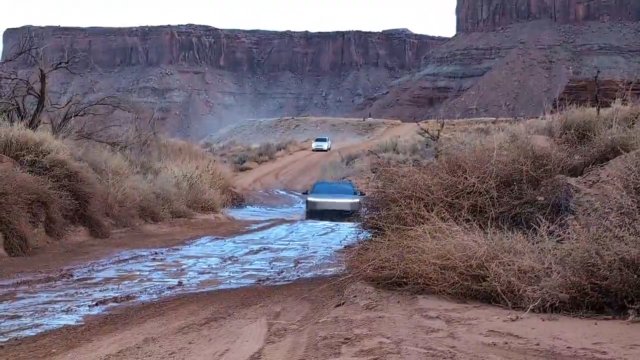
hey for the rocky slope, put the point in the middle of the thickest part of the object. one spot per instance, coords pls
(522, 58)
(491, 15)
(509, 58)
(201, 78)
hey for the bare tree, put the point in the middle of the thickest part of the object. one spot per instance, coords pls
(138, 131)
(596, 80)
(25, 97)
(432, 136)
(24, 94)
(75, 113)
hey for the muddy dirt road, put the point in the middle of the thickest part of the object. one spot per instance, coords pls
(299, 170)
(218, 297)
(327, 319)
(278, 247)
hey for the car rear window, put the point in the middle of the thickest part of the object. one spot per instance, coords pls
(333, 189)
(321, 140)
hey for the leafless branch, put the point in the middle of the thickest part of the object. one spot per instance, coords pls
(24, 91)
(431, 134)
(25, 48)
(72, 114)
(136, 133)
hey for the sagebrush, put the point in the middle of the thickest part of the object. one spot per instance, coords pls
(541, 216)
(245, 157)
(54, 185)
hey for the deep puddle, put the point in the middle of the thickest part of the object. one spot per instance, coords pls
(269, 253)
(282, 206)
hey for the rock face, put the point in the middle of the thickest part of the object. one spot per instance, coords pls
(546, 58)
(509, 58)
(584, 91)
(490, 15)
(207, 77)
(234, 50)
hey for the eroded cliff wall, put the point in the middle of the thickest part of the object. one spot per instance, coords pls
(522, 58)
(510, 58)
(490, 15)
(233, 50)
(200, 78)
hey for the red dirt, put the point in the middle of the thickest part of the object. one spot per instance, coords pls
(328, 319)
(299, 170)
(316, 319)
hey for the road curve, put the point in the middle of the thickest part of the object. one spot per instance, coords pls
(299, 170)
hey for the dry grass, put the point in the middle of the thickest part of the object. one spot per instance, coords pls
(349, 166)
(59, 184)
(355, 166)
(404, 151)
(162, 180)
(543, 216)
(451, 259)
(27, 203)
(244, 158)
(510, 184)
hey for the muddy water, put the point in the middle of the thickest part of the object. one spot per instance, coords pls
(279, 248)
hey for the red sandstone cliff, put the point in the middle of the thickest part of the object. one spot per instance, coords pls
(200, 78)
(234, 50)
(522, 58)
(510, 58)
(490, 15)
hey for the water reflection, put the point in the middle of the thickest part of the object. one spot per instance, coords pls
(273, 253)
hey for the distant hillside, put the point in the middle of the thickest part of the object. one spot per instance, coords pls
(509, 58)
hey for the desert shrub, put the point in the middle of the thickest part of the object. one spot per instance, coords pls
(72, 184)
(515, 184)
(123, 188)
(241, 159)
(164, 179)
(404, 151)
(593, 139)
(23, 145)
(26, 202)
(83, 196)
(388, 147)
(582, 126)
(56, 185)
(451, 259)
(239, 155)
(350, 159)
(601, 267)
(411, 147)
(527, 224)
(578, 126)
(607, 146)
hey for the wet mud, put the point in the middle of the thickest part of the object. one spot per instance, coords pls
(279, 247)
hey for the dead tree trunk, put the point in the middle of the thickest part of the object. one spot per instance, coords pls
(597, 91)
(36, 116)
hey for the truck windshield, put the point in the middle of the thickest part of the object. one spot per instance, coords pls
(333, 189)
(320, 140)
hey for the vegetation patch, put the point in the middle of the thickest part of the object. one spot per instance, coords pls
(539, 216)
(55, 184)
(244, 158)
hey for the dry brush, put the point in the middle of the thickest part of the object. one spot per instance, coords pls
(52, 185)
(542, 217)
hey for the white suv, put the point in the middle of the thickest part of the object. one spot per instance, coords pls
(321, 144)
